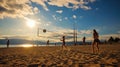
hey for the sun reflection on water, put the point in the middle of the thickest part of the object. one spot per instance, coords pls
(27, 45)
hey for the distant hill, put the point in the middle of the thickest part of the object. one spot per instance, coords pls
(23, 41)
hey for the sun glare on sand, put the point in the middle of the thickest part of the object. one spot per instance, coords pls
(30, 23)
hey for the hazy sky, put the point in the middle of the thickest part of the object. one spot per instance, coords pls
(21, 18)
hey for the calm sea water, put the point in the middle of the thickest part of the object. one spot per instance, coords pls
(22, 45)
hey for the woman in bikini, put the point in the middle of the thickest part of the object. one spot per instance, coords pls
(96, 40)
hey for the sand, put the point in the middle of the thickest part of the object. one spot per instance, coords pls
(54, 56)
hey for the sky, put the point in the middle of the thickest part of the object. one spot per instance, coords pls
(20, 19)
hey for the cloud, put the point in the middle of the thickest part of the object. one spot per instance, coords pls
(74, 16)
(60, 19)
(36, 10)
(19, 8)
(85, 7)
(48, 23)
(15, 8)
(59, 3)
(76, 4)
(54, 17)
(59, 11)
(42, 3)
(23, 8)
(85, 32)
(92, 1)
(57, 33)
(14, 37)
(107, 36)
(118, 32)
(68, 33)
(66, 18)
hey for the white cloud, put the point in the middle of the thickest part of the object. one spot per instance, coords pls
(48, 23)
(15, 8)
(22, 8)
(59, 3)
(19, 8)
(85, 7)
(36, 10)
(56, 33)
(74, 16)
(119, 32)
(54, 17)
(66, 18)
(85, 32)
(92, 1)
(60, 19)
(42, 3)
(76, 4)
(59, 11)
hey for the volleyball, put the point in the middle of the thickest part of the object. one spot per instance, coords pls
(44, 30)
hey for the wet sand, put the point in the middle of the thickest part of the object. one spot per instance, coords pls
(54, 56)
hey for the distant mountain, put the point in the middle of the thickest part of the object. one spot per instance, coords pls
(23, 41)
(15, 41)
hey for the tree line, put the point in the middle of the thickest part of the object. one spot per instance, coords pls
(113, 40)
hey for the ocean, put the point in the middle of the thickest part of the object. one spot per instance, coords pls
(23, 45)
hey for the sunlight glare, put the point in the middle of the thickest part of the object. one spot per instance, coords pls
(30, 23)
(27, 45)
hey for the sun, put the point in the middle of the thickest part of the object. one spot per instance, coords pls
(30, 23)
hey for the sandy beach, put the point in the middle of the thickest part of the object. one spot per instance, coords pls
(54, 56)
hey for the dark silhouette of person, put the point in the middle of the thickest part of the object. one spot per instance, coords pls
(8, 42)
(55, 44)
(47, 42)
(63, 42)
(84, 40)
(96, 40)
